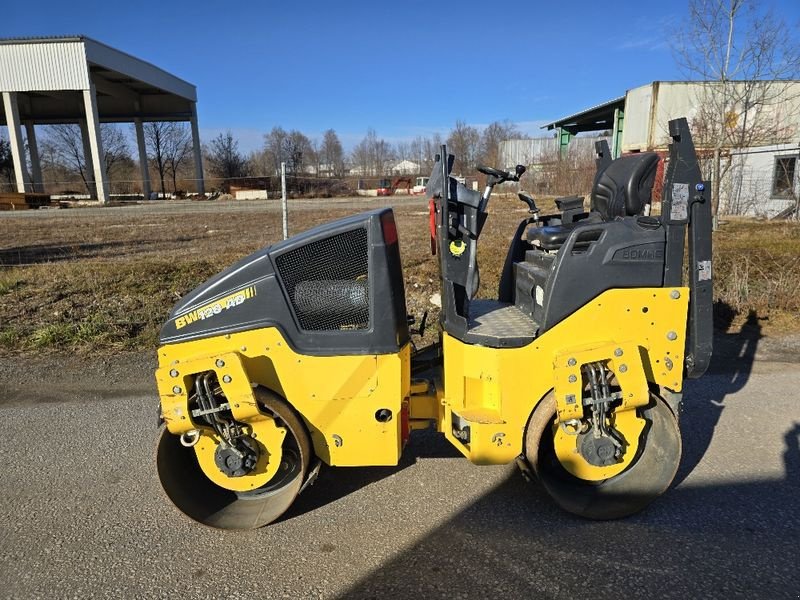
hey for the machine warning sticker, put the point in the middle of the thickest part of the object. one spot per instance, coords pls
(457, 247)
(216, 307)
(680, 202)
(703, 270)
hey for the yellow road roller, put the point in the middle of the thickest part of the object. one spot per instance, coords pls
(300, 355)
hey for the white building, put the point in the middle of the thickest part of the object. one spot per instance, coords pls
(762, 178)
(404, 167)
(75, 79)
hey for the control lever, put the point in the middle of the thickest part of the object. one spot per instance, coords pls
(500, 175)
(420, 331)
(532, 208)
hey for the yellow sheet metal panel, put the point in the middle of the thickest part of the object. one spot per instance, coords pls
(338, 397)
(653, 320)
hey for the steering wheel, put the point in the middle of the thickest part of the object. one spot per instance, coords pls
(502, 175)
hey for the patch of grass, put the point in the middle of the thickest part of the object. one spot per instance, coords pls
(115, 293)
(9, 282)
(56, 335)
(9, 337)
(757, 269)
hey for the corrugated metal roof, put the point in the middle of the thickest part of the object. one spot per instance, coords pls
(42, 39)
(53, 63)
(578, 115)
(116, 60)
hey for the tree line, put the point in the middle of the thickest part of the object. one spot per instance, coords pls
(371, 156)
(169, 152)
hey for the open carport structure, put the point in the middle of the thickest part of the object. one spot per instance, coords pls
(79, 80)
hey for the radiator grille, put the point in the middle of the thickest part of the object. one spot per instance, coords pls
(328, 282)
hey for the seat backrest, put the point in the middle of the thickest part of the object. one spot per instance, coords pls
(624, 186)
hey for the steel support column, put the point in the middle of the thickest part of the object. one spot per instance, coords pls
(143, 166)
(87, 155)
(33, 149)
(616, 136)
(95, 143)
(15, 139)
(564, 137)
(198, 156)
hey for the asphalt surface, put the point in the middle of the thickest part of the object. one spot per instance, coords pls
(82, 514)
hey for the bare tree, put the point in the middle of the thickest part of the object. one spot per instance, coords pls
(750, 56)
(316, 155)
(332, 153)
(6, 162)
(372, 154)
(463, 142)
(62, 147)
(493, 134)
(431, 147)
(155, 134)
(423, 150)
(168, 145)
(360, 157)
(224, 159)
(299, 152)
(276, 149)
(382, 154)
(257, 163)
(115, 147)
(416, 152)
(179, 150)
(402, 150)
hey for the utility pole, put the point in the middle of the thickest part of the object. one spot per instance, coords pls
(284, 204)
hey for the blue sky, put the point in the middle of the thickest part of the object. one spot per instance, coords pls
(402, 68)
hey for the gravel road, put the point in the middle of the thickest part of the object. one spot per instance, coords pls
(82, 513)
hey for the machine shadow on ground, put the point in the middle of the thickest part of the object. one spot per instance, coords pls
(698, 541)
(334, 483)
(713, 540)
(731, 365)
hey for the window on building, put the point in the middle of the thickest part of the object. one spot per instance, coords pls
(783, 176)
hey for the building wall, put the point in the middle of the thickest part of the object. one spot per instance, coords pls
(650, 107)
(541, 150)
(636, 128)
(747, 188)
(43, 67)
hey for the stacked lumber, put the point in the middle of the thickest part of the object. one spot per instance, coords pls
(17, 201)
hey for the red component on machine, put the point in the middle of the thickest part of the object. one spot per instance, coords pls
(389, 229)
(432, 224)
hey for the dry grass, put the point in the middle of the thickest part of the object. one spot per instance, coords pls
(757, 268)
(89, 282)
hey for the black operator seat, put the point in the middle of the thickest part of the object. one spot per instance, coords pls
(622, 189)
